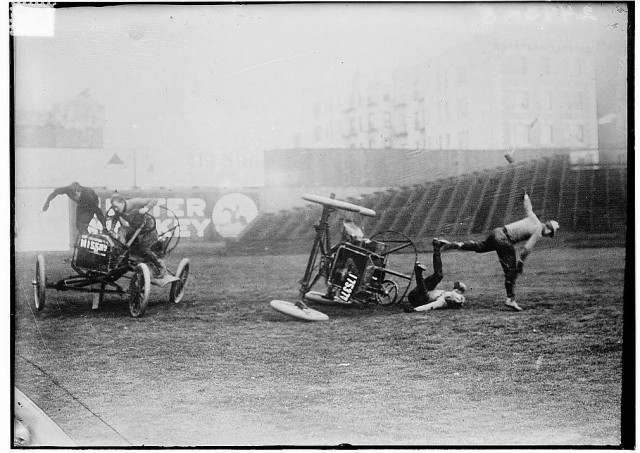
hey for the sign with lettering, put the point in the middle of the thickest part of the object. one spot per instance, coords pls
(202, 215)
(349, 286)
(95, 244)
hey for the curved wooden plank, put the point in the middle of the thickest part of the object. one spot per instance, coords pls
(338, 204)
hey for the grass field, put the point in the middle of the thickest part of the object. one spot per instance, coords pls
(223, 368)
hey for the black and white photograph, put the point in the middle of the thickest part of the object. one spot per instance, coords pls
(321, 225)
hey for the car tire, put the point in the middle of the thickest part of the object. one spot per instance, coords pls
(178, 287)
(139, 289)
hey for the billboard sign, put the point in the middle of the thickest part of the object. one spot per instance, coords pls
(203, 215)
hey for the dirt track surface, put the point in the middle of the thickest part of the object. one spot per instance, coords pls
(222, 368)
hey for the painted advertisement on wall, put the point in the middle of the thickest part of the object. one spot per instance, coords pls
(232, 213)
(203, 215)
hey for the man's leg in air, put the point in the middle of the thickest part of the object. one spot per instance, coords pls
(418, 296)
(434, 279)
(484, 246)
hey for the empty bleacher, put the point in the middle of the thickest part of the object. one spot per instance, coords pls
(582, 200)
(417, 219)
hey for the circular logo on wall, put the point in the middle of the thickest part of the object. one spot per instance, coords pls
(232, 213)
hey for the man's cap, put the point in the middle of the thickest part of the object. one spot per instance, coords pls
(460, 286)
(553, 226)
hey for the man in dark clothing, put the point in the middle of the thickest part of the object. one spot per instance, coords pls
(130, 213)
(87, 201)
(425, 296)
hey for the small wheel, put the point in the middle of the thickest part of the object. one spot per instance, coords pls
(178, 287)
(139, 289)
(40, 283)
(390, 295)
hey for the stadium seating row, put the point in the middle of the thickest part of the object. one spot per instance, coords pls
(581, 199)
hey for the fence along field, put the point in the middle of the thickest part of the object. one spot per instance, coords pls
(223, 368)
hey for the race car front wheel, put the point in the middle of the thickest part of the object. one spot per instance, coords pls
(178, 287)
(39, 284)
(139, 289)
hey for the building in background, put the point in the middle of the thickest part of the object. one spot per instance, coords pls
(34, 129)
(502, 94)
(489, 94)
(77, 123)
(322, 122)
(368, 113)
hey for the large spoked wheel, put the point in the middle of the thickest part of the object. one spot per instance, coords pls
(390, 294)
(171, 237)
(139, 289)
(178, 287)
(39, 284)
(400, 257)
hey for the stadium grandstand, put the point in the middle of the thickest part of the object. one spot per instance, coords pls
(584, 199)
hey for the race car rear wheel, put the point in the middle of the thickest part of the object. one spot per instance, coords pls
(390, 295)
(139, 289)
(39, 285)
(178, 287)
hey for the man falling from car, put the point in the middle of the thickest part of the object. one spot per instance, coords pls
(87, 201)
(131, 214)
(425, 296)
(502, 240)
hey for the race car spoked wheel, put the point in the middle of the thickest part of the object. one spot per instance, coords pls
(139, 289)
(401, 255)
(389, 296)
(178, 287)
(39, 284)
(171, 237)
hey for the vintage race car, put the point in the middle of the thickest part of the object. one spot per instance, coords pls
(100, 260)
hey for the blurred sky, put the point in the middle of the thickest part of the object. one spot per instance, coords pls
(229, 77)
